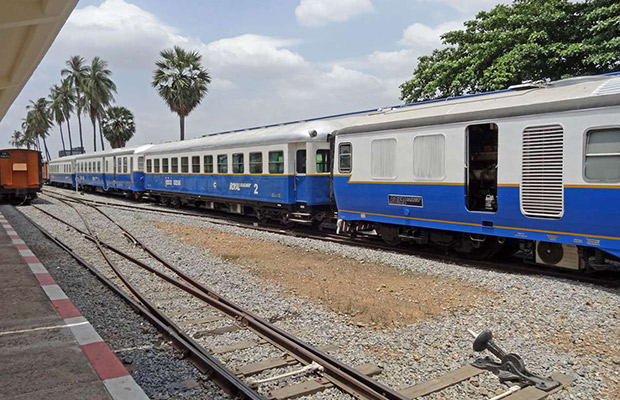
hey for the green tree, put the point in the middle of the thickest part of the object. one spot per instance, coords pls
(67, 100)
(16, 139)
(39, 121)
(181, 81)
(118, 126)
(98, 88)
(76, 73)
(527, 40)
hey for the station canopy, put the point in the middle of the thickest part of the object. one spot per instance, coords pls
(27, 30)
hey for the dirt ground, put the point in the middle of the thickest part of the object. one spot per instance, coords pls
(370, 294)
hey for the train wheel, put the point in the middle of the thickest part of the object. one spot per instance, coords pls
(165, 201)
(175, 202)
(284, 220)
(389, 234)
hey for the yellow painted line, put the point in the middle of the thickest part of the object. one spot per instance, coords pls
(479, 225)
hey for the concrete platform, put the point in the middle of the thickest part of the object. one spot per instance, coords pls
(48, 350)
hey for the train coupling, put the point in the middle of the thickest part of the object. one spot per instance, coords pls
(511, 367)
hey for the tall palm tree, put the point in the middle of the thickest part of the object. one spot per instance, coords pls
(28, 137)
(98, 89)
(75, 73)
(118, 126)
(16, 139)
(39, 121)
(181, 81)
(66, 97)
(57, 112)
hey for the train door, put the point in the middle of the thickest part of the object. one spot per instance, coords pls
(131, 170)
(104, 173)
(481, 167)
(301, 162)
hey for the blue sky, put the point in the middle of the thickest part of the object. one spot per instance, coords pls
(270, 60)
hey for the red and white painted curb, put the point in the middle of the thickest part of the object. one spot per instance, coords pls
(117, 380)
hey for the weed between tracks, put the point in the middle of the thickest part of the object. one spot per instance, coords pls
(370, 293)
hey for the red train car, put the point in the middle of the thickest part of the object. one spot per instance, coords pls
(20, 175)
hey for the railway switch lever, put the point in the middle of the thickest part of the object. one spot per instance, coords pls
(510, 367)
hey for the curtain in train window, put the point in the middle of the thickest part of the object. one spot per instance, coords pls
(383, 158)
(276, 162)
(603, 155)
(429, 157)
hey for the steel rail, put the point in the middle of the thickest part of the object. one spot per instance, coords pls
(340, 374)
(206, 363)
(601, 278)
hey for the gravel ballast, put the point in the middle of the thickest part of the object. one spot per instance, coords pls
(554, 324)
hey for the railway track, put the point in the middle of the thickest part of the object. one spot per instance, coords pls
(211, 307)
(508, 264)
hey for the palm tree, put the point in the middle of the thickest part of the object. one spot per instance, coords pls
(118, 126)
(39, 121)
(28, 137)
(181, 81)
(67, 99)
(98, 89)
(16, 139)
(75, 75)
(57, 112)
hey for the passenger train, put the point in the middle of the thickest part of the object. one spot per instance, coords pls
(534, 168)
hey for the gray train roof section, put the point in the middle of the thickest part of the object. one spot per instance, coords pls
(115, 152)
(303, 131)
(527, 99)
(62, 159)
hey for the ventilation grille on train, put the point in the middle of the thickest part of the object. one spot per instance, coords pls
(542, 189)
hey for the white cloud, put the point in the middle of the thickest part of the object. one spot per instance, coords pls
(425, 38)
(320, 12)
(469, 7)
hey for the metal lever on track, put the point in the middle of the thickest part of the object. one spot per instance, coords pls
(510, 367)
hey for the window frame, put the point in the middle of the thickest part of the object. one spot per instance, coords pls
(125, 165)
(195, 164)
(445, 152)
(385, 178)
(184, 165)
(350, 169)
(305, 164)
(165, 162)
(275, 163)
(238, 164)
(223, 164)
(149, 165)
(256, 163)
(586, 133)
(328, 161)
(174, 165)
(208, 166)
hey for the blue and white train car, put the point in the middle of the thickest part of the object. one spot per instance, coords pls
(279, 172)
(535, 165)
(120, 170)
(62, 171)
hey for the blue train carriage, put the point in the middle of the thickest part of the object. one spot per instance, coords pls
(117, 170)
(535, 168)
(279, 172)
(62, 172)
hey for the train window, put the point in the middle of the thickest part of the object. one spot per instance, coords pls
(222, 163)
(322, 161)
(156, 165)
(174, 164)
(481, 167)
(276, 162)
(237, 163)
(90, 167)
(344, 157)
(149, 165)
(164, 165)
(602, 161)
(383, 158)
(98, 166)
(107, 166)
(184, 164)
(429, 157)
(300, 161)
(140, 163)
(119, 165)
(196, 164)
(256, 163)
(208, 164)
(124, 165)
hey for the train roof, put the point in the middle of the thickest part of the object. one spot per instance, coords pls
(525, 99)
(63, 159)
(300, 131)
